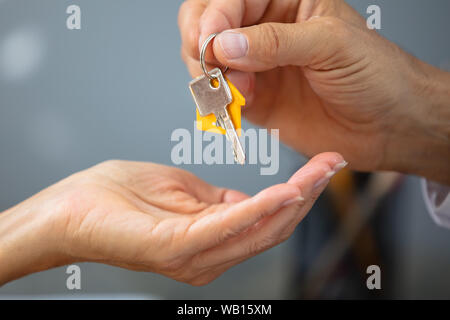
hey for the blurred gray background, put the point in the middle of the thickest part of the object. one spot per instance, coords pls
(117, 88)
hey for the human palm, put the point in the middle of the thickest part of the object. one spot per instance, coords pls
(150, 217)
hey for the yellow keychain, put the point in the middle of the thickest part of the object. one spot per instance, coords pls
(209, 122)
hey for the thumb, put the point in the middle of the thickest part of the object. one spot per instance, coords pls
(269, 45)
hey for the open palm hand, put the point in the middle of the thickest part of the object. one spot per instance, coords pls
(149, 217)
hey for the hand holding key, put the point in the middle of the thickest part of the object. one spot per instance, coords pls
(212, 95)
(315, 71)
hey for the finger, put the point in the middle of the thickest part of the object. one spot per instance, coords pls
(214, 229)
(244, 82)
(270, 232)
(233, 196)
(188, 22)
(206, 276)
(204, 192)
(269, 45)
(192, 64)
(306, 10)
(281, 11)
(222, 15)
(189, 19)
(339, 9)
(262, 236)
(323, 165)
(311, 180)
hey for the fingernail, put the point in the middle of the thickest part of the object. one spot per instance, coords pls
(296, 200)
(340, 166)
(234, 44)
(326, 179)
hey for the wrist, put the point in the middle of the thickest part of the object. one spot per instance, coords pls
(420, 142)
(27, 242)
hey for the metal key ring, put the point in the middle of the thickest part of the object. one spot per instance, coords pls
(202, 55)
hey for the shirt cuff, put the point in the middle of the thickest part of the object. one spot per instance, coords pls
(437, 200)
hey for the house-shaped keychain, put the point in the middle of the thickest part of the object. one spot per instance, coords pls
(209, 123)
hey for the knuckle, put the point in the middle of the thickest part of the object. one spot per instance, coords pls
(331, 23)
(206, 277)
(185, 7)
(113, 163)
(253, 248)
(177, 270)
(336, 28)
(199, 262)
(172, 266)
(199, 282)
(183, 278)
(225, 234)
(114, 169)
(314, 197)
(263, 244)
(272, 40)
(190, 36)
(286, 234)
(191, 43)
(183, 55)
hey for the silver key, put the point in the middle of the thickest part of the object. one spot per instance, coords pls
(215, 100)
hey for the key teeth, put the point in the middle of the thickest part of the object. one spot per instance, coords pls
(238, 160)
